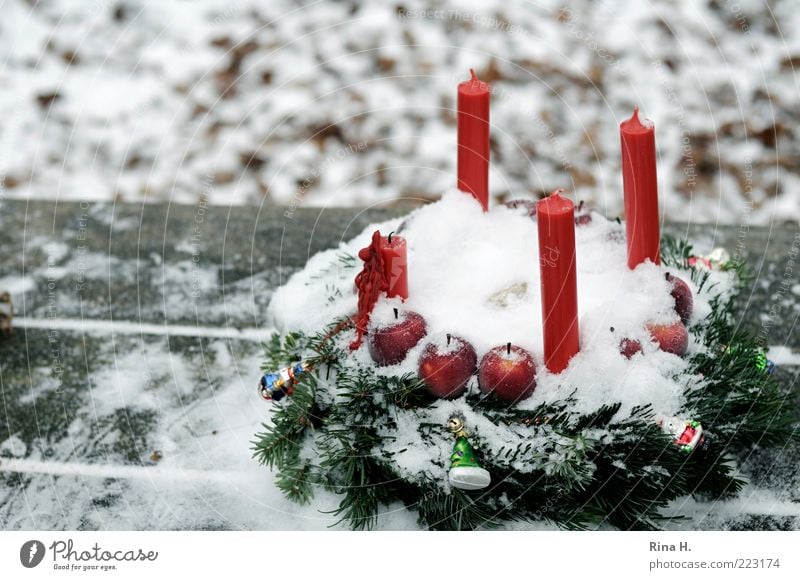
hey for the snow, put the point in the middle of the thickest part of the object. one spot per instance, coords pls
(444, 344)
(512, 356)
(751, 500)
(351, 103)
(459, 257)
(206, 412)
(783, 355)
(101, 327)
(13, 447)
(17, 285)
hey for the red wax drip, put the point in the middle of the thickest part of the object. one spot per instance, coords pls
(473, 139)
(641, 190)
(395, 266)
(370, 282)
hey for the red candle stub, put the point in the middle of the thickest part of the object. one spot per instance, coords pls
(385, 270)
(557, 264)
(395, 265)
(473, 139)
(641, 190)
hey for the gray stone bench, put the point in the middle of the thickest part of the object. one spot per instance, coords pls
(128, 385)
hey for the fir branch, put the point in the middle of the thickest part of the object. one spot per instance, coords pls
(281, 351)
(575, 470)
(675, 252)
(277, 446)
(297, 478)
(456, 510)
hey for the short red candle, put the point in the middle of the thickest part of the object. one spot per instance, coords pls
(395, 265)
(556, 222)
(473, 139)
(641, 190)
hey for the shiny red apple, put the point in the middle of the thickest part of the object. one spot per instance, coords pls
(389, 344)
(672, 338)
(508, 372)
(446, 365)
(682, 295)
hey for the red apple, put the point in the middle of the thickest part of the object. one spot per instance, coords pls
(672, 338)
(682, 295)
(509, 372)
(446, 366)
(389, 344)
(629, 347)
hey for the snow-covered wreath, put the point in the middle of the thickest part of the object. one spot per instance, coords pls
(644, 413)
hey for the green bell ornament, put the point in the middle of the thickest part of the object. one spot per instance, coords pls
(465, 471)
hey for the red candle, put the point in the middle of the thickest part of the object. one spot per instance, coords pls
(395, 265)
(473, 139)
(556, 221)
(641, 190)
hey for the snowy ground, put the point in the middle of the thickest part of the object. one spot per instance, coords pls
(350, 103)
(129, 386)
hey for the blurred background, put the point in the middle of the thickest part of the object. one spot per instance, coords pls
(350, 103)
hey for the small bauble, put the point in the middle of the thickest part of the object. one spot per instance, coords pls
(682, 295)
(279, 384)
(719, 258)
(672, 338)
(465, 470)
(389, 343)
(446, 365)
(508, 372)
(687, 434)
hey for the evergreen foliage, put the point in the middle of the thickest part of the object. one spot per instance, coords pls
(334, 432)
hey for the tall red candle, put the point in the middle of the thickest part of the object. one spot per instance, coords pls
(473, 139)
(556, 222)
(641, 190)
(395, 265)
